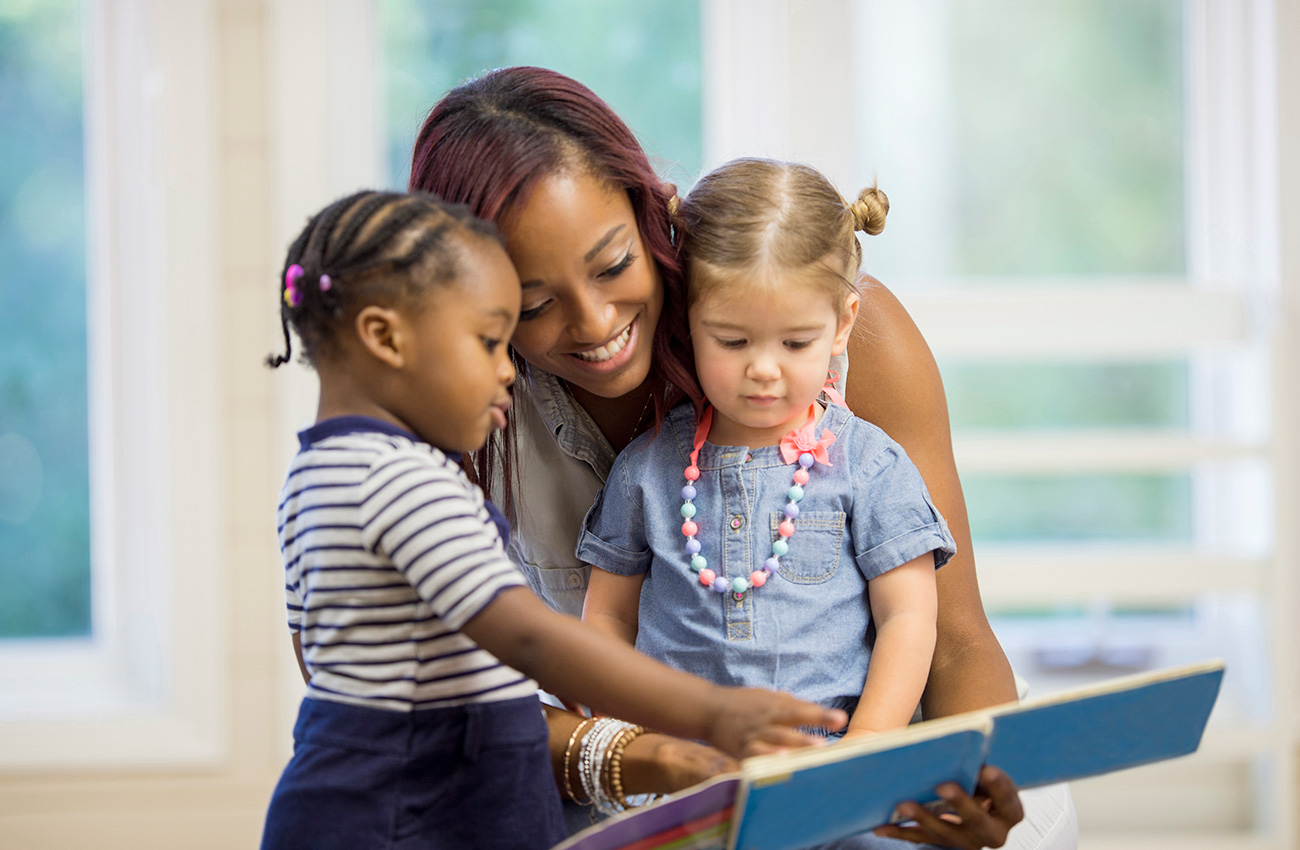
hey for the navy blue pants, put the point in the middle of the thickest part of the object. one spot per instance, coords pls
(474, 776)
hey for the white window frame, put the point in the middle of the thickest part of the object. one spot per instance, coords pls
(778, 80)
(148, 688)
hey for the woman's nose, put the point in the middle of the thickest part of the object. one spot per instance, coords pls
(591, 320)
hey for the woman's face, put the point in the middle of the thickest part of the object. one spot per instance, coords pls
(591, 292)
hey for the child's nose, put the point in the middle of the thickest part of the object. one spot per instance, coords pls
(506, 370)
(764, 368)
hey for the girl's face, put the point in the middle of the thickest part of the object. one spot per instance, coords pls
(460, 371)
(591, 293)
(762, 353)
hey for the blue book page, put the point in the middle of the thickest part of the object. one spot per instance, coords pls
(825, 802)
(1126, 723)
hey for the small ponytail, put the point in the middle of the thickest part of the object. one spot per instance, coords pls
(869, 211)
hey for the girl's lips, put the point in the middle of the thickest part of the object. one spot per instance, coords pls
(498, 414)
(761, 400)
(629, 339)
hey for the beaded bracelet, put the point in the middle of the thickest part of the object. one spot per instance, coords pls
(593, 757)
(568, 752)
(614, 765)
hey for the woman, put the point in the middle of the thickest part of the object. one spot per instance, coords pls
(602, 324)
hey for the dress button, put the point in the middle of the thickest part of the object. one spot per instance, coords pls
(574, 580)
(749, 456)
(737, 522)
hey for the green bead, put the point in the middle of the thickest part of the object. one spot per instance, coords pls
(795, 493)
(688, 510)
(698, 563)
(780, 548)
(738, 585)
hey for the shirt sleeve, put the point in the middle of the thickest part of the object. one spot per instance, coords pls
(613, 532)
(894, 521)
(431, 523)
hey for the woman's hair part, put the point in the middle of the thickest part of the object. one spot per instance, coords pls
(370, 247)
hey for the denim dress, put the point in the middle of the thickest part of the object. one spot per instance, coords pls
(808, 629)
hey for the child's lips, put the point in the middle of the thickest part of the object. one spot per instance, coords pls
(498, 413)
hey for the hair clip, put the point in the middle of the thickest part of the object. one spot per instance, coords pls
(292, 294)
(325, 283)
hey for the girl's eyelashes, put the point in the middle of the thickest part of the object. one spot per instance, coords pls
(491, 344)
(798, 344)
(730, 343)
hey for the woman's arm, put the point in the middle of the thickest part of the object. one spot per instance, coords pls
(903, 611)
(893, 382)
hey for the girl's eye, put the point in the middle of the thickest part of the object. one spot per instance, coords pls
(798, 344)
(619, 267)
(491, 344)
(731, 343)
(533, 312)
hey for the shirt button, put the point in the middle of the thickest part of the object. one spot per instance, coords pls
(749, 456)
(574, 580)
(737, 522)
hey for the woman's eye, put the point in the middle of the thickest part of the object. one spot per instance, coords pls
(619, 267)
(533, 312)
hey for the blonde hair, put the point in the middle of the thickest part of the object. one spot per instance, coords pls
(751, 218)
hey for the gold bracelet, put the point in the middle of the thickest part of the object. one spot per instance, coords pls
(568, 751)
(614, 764)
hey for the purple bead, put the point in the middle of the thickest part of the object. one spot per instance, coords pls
(806, 460)
(721, 584)
(791, 510)
(688, 492)
(692, 546)
(771, 565)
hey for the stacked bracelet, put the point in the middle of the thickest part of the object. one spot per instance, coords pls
(568, 753)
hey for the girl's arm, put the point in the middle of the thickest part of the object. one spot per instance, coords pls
(569, 657)
(903, 603)
(612, 604)
(894, 383)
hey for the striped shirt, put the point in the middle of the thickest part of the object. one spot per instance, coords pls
(388, 550)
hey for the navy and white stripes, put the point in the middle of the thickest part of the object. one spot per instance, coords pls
(388, 551)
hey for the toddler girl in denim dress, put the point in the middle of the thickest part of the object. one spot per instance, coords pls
(421, 644)
(763, 536)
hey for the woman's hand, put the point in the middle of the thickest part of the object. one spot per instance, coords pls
(974, 822)
(655, 763)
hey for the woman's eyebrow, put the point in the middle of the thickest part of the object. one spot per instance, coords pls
(613, 231)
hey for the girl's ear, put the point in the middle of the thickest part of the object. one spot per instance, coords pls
(383, 334)
(847, 318)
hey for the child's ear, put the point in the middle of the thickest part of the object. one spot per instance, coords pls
(383, 334)
(848, 316)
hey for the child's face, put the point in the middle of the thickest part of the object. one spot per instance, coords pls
(762, 353)
(460, 370)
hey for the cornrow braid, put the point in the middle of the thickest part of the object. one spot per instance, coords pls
(370, 246)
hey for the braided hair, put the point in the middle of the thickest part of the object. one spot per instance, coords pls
(369, 247)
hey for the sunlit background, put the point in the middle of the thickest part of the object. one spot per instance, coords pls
(1089, 220)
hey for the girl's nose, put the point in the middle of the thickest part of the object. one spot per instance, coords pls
(763, 368)
(506, 370)
(591, 320)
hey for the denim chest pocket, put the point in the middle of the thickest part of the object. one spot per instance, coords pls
(815, 547)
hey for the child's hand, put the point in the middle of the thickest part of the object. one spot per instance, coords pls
(752, 721)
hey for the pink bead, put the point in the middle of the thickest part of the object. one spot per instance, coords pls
(758, 578)
(707, 577)
(801, 476)
(692, 472)
(785, 529)
(689, 528)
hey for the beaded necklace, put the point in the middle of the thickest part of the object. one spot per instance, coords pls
(798, 446)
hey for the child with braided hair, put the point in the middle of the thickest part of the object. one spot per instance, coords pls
(419, 640)
(764, 536)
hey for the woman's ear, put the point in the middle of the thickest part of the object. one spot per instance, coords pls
(383, 334)
(848, 315)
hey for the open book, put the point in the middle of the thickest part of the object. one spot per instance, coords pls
(821, 794)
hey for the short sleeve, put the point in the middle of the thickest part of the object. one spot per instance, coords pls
(894, 521)
(613, 532)
(293, 604)
(424, 516)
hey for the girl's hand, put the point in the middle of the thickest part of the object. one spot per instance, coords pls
(753, 722)
(975, 822)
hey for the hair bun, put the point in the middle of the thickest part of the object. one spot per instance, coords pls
(869, 211)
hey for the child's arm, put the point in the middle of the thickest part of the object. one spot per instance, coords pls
(571, 658)
(612, 604)
(904, 608)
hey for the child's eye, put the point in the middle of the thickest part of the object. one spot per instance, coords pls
(798, 344)
(619, 267)
(730, 343)
(491, 344)
(529, 313)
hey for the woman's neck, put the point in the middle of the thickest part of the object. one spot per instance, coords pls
(619, 419)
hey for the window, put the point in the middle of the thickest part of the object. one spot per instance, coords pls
(44, 444)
